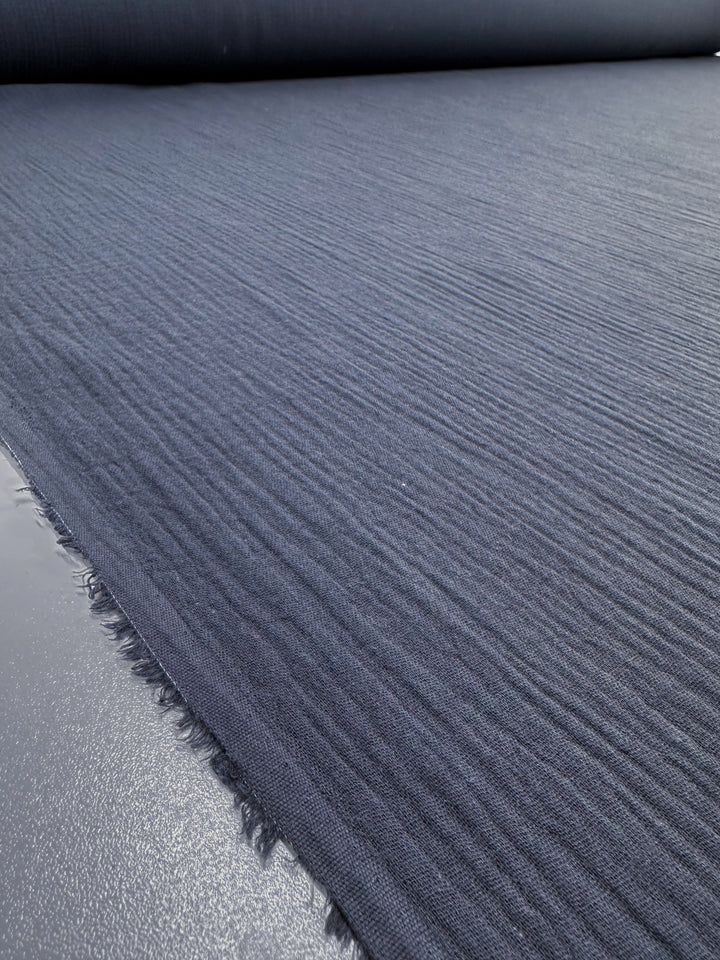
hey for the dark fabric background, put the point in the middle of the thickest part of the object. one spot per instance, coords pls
(388, 408)
(175, 40)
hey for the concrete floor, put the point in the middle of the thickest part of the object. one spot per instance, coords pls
(116, 841)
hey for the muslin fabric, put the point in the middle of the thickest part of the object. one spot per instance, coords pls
(387, 407)
(181, 40)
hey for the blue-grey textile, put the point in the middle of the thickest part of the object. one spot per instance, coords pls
(388, 409)
(162, 40)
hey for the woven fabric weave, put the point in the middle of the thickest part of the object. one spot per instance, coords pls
(387, 408)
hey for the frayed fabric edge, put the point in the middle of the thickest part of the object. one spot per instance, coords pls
(258, 828)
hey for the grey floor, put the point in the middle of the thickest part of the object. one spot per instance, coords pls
(116, 841)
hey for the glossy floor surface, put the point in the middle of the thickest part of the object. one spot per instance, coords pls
(116, 840)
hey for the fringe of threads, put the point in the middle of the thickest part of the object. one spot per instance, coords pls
(258, 827)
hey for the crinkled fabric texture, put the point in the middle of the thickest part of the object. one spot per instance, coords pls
(163, 40)
(387, 407)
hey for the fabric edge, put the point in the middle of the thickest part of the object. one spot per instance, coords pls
(258, 828)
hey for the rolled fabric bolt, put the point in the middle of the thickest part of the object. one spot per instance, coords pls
(184, 40)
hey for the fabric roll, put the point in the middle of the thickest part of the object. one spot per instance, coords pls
(180, 40)
(386, 409)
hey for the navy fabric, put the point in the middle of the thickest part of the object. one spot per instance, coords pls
(388, 409)
(163, 40)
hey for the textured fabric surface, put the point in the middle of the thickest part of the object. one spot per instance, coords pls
(116, 844)
(388, 409)
(210, 39)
